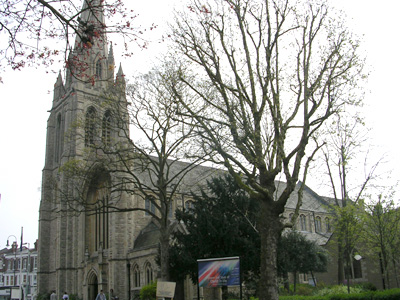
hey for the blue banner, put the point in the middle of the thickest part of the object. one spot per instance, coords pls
(219, 272)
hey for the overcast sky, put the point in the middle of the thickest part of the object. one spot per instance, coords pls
(26, 96)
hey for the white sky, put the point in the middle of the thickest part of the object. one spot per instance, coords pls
(26, 96)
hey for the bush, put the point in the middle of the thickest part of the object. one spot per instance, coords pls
(44, 296)
(393, 294)
(338, 289)
(74, 297)
(297, 297)
(301, 289)
(148, 292)
(367, 286)
(304, 290)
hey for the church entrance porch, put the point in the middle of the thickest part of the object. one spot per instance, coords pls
(92, 286)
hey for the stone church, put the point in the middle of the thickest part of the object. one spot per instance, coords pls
(83, 252)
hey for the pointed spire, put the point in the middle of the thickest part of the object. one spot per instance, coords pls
(89, 60)
(111, 55)
(68, 73)
(120, 81)
(111, 64)
(120, 76)
(92, 14)
(91, 25)
(59, 89)
(59, 81)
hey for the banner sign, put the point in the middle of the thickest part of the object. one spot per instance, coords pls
(219, 272)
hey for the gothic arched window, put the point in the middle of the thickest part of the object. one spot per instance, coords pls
(99, 69)
(136, 276)
(97, 215)
(58, 147)
(303, 223)
(327, 225)
(149, 206)
(90, 127)
(149, 273)
(106, 129)
(318, 224)
(189, 205)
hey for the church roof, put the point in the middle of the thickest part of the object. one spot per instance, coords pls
(196, 179)
(149, 237)
(311, 200)
(319, 238)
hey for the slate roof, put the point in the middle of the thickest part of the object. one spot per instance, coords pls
(319, 238)
(193, 180)
(311, 200)
(197, 178)
(149, 237)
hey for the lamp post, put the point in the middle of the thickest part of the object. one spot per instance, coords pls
(8, 241)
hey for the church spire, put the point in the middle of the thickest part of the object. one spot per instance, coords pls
(59, 89)
(120, 79)
(111, 64)
(88, 62)
(91, 61)
(91, 22)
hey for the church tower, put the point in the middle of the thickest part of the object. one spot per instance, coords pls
(83, 250)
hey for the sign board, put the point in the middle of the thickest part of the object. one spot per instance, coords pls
(15, 293)
(219, 272)
(165, 289)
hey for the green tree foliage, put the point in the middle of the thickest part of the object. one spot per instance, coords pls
(297, 255)
(349, 181)
(220, 224)
(348, 226)
(148, 292)
(381, 235)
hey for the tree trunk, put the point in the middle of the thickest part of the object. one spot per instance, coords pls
(395, 272)
(385, 267)
(270, 230)
(286, 283)
(294, 282)
(313, 278)
(164, 254)
(340, 264)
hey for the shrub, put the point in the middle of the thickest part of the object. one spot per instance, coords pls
(301, 289)
(367, 286)
(148, 292)
(338, 289)
(304, 290)
(44, 296)
(297, 297)
(74, 297)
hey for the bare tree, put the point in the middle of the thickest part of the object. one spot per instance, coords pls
(264, 77)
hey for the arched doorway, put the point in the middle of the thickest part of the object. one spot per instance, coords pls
(92, 286)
